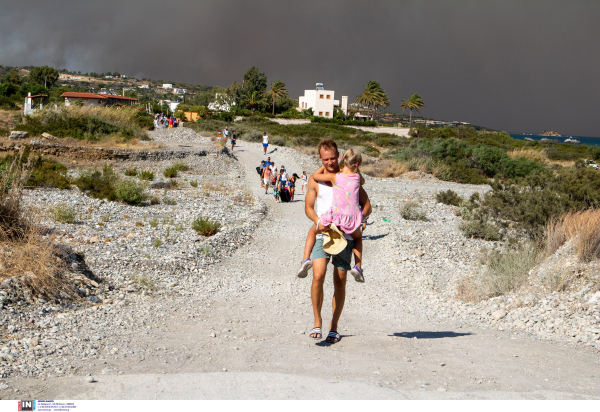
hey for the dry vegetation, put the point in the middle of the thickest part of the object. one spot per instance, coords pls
(24, 253)
(530, 154)
(384, 168)
(583, 227)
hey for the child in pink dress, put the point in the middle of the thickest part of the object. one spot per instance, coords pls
(345, 211)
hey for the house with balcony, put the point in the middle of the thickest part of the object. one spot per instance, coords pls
(322, 102)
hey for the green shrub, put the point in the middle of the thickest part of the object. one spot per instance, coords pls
(170, 172)
(194, 183)
(153, 223)
(180, 166)
(98, 184)
(48, 173)
(131, 172)
(63, 214)
(146, 175)
(206, 227)
(169, 201)
(156, 242)
(449, 197)
(131, 191)
(154, 200)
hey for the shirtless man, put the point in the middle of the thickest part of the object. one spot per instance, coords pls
(323, 194)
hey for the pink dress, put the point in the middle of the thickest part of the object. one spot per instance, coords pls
(345, 212)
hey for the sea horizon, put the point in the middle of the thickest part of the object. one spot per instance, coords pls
(585, 140)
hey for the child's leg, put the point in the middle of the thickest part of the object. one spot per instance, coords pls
(357, 249)
(310, 242)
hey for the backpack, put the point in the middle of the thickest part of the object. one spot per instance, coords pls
(258, 169)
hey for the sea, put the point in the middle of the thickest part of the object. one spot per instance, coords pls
(589, 141)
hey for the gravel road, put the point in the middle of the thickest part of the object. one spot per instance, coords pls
(216, 326)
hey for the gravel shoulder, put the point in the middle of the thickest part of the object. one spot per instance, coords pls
(244, 314)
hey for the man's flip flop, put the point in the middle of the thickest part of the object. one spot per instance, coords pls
(316, 331)
(333, 337)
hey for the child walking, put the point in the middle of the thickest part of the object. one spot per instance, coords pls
(345, 211)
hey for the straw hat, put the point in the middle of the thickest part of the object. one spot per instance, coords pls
(334, 241)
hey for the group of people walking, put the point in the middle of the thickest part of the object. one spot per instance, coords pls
(225, 134)
(163, 122)
(282, 183)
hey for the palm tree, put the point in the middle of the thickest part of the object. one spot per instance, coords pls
(414, 102)
(253, 100)
(373, 96)
(278, 89)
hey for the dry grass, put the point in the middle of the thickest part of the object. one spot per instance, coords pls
(36, 262)
(384, 168)
(505, 271)
(310, 151)
(244, 198)
(582, 225)
(214, 187)
(530, 154)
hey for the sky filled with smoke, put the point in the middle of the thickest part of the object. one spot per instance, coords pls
(519, 66)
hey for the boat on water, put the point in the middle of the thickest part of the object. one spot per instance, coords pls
(571, 140)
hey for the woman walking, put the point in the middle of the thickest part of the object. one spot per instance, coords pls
(292, 185)
(304, 181)
(232, 140)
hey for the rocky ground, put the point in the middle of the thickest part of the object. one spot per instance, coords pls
(232, 303)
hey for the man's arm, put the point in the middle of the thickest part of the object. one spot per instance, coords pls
(365, 203)
(309, 204)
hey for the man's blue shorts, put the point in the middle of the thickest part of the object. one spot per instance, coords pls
(265, 144)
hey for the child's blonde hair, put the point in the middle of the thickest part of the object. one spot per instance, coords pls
(352, 159)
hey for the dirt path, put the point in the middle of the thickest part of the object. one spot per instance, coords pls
(250, 339)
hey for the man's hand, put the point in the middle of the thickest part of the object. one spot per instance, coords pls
(321, 228)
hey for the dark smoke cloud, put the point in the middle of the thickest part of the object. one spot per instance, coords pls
(510, 65)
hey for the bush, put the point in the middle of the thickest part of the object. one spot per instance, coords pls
(206, 227)
(63, 214)
(194, 183)
(180, 166)
(131, 191)
(507, 270)
(98, 184)
(169, 201)
(412, 211)
(449, 197)
(146, 175)
(91, 122)
(131, 172)
(7, 104)
(170, 172)
(319, 119)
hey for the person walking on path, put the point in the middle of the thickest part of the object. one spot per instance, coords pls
(226, 134)
(304, 179)
(265, 142)
(267, 175)
(232, 140)
(322, 193)
(261, 171)
(292, 185)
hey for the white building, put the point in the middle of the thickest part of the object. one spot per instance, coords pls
(221, 103)
(180, 91)
(322, 101)
(144, 86)
(168, 86)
